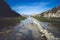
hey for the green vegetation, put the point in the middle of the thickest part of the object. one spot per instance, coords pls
(49, 20)
(7, 23)
(41, 19)
(53, 20)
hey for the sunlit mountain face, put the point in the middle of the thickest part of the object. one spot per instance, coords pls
(29, 7)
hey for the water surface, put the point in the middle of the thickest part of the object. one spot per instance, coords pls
(27, 29)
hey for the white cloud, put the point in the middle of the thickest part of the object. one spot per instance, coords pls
(35, 8)
(41, 3)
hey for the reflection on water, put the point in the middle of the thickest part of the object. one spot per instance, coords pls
(28, 29)
(53, 28)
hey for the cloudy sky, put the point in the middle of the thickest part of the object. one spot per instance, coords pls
(30, 7)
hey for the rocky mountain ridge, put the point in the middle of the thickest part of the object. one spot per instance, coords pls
(54, 12)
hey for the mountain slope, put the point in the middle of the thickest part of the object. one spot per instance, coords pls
(54, 12)
(6, 11)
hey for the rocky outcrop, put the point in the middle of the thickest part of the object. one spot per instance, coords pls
(54, 12)
(6, 11)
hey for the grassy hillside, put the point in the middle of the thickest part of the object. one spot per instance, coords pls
(54, 20)
(7, 23)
